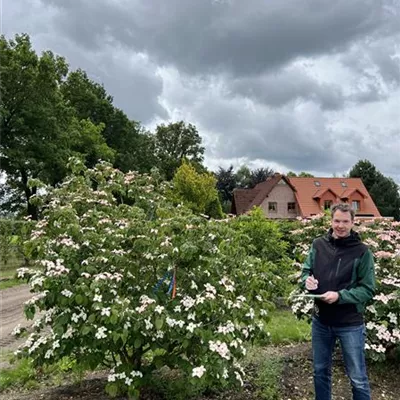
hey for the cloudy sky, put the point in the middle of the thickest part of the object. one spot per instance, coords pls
(302, 85)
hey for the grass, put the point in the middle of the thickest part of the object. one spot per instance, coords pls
(268, 379)
(285, 328)
(22, 374)
(5, 284)
(8, 273)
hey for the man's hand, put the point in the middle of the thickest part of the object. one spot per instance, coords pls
(330, 297)
(311, 283)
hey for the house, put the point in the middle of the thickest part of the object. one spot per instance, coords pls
(291, 197)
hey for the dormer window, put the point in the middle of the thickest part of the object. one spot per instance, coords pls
(344, 184)
(317, 183)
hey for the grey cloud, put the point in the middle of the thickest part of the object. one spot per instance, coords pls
(269, 135)
(278, 89)
(208, 36)
(130, 78)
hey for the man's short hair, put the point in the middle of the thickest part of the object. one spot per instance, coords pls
(343, 207)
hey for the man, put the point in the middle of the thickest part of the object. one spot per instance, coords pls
(340, 268)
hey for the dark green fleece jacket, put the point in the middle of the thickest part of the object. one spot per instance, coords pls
(346, 266)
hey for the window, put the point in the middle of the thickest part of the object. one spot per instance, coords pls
(327, 204)
(355, 204)
(291, 207)
(344, 184)
(317, 183)
(272, 206)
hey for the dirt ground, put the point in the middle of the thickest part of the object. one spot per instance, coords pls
(296, 381)
(11, 314)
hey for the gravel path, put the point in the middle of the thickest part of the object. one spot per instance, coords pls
(11, 314)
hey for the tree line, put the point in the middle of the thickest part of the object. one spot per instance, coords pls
(49, 113)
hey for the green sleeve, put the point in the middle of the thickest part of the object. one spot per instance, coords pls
(307, 267)
(364, 288)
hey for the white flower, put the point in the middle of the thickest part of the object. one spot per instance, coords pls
(170, 321)
(66, 293)
(392, 317)
(68, 333)
(128, 381)
(221, 348)
(101, 333)
(112, 377)
(106, 311)
(188, 302)
(228, 328)
(159, 309)
(127, 325)
(75, 318)
(98, 298)
(136, 373)
(17, 330)
(250, 314)
(193, 285)
(210, 288)
(239, 378)
(191, 327)
(49, 353)
(148, 324)
(198, 371)
(159, 335)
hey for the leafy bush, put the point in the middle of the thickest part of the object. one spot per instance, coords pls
(196, 190)
(263, 239)
(129, 281)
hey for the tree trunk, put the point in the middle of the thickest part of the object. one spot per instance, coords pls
(32, 210)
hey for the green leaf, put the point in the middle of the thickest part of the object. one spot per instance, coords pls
(112, 389)
(138, 343)
(30, 312)
(159, 323)
(114, 318)
(115, 337)
(79, 299)
(85, 330)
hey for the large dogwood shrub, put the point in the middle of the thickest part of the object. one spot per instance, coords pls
(126, 280)
(382, 315)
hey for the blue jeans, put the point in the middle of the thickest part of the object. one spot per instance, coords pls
(352, 339)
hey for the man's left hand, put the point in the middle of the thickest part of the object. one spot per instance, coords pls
(330, 297)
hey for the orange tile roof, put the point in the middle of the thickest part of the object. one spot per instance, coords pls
(306, 189)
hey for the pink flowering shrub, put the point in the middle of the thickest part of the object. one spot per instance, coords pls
(126, 280)
(383, 314)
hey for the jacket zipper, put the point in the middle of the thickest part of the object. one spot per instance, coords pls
(337, 267)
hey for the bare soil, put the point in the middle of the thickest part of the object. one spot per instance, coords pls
(11, 314)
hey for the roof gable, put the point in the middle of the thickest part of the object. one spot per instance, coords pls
(266, 187)
(320, 192)
(348, 192)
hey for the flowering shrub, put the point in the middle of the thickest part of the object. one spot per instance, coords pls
(383, 315)
(125, 280)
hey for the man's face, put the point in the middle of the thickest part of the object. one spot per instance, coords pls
(341, 223)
